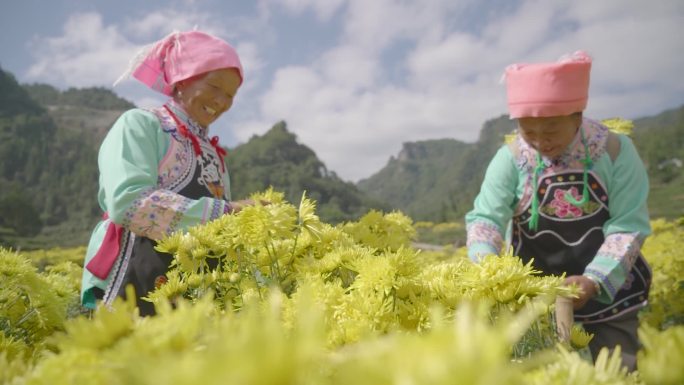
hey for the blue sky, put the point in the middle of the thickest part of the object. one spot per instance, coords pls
(354, 79)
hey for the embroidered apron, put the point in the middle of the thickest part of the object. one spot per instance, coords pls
(201, 165)
(568, 237)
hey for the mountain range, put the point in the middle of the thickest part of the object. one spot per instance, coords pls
(48, 167)
(437, 180)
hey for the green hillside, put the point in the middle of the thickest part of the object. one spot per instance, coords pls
(48, 165)
(48, 158)
(276, 159)
(660, 141)
(87, 112)
(437, 180)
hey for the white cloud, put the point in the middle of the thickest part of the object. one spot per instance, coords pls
(324, 9)
(344, 106)
(157, 24)
(453, 60)
(252, 64)
(348, 108)
(400, 70)
(349, 66)
(638, 55)
(91, 53)
(635, 51)
(377, 25)
(154, 25)
(88, 53)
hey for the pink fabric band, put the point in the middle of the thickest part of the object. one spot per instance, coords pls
(549, 89)
(106, 255)
(182, 55)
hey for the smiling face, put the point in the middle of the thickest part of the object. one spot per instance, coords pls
(205, 97)
(550, 135)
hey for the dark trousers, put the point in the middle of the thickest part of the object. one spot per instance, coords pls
(619, 331)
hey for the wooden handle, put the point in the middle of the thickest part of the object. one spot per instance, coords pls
(564, 318)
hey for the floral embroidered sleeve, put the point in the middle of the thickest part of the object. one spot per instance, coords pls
(628, 225)
(493, 207)
(128, 162)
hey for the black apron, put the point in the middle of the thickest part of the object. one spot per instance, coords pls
(568, 238)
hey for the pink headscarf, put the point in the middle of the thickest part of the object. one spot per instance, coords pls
(182, 55)
(549, 89)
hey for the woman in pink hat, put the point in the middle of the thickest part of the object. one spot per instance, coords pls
(574, 195)
(159, 169)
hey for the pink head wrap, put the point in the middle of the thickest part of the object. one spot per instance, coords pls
(549, 89)
(182, 55)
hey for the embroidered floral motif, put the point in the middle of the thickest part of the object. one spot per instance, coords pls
(167, 123)
(156, 213)
(176, 167)
(561, 208)
(622, 247)
(483, 232)
(180, 159)
(596, 135)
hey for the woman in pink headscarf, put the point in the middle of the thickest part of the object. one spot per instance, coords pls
(159, 169)
(575, 197)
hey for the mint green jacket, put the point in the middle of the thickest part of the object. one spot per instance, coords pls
(143, 162)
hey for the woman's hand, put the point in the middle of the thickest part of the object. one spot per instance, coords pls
(237, 206)
(588, 289)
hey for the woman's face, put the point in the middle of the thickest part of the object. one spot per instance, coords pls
(550, 135)
(205, 97)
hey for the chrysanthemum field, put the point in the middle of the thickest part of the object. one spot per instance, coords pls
(298, 301)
